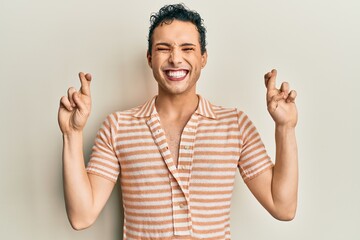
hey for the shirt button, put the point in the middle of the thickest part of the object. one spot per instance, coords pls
(187, 147)
(183, 167)
(182, 205)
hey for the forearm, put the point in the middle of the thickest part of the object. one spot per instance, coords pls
(285, 176)
(77, 187)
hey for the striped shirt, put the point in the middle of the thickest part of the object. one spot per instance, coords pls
(187, 201)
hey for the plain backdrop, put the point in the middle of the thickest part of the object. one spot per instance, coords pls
(313, 44)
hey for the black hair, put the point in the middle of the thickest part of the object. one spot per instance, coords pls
(180, 12)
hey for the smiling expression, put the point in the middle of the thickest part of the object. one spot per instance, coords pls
(176, 58)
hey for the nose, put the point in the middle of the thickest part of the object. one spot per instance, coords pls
(175, 56)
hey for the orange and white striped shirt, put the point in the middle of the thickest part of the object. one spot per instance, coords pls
(187, 201)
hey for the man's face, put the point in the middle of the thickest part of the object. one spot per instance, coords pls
(176, 58)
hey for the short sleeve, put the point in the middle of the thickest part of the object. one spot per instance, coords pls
(103, 160)
(253, 156)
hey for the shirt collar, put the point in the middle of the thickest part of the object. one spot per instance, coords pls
(205, 108)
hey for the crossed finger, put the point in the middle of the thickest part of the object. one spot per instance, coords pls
(270, 80)
(85, 80)
(272, 91)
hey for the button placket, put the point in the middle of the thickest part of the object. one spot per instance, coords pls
(159, 137)
(179, 187)
(188, 146)
(186, 154)
(178, 206)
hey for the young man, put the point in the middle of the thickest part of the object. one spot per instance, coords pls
(176, 156)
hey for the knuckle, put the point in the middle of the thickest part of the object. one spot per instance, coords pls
(63, 99)
(275, 98)
(292, 94)
(71, 89)
(285, 85)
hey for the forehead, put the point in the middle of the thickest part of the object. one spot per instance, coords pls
(176, 32)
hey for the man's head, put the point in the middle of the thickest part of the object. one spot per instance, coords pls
(177, 51)
(169, 13)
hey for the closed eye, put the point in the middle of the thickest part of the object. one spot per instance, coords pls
(188, 49)
(163, 49)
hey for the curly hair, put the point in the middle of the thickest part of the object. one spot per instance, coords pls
(180, 12)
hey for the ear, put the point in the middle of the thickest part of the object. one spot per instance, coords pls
(148, 56)
(204, 59)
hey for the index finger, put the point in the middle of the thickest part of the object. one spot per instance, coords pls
(270, 80)
(85, 83)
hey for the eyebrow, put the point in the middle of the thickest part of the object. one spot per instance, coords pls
(169, 45)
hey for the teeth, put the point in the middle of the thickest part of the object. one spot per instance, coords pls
(176, 74)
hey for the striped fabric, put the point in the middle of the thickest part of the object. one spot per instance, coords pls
(187, 201)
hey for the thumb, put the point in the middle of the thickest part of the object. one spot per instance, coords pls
(79, 102)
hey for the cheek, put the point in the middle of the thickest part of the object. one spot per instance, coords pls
(157, 61)
(195, 60)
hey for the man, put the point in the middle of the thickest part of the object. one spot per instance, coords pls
(176, 156)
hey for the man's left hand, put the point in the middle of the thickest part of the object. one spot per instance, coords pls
(280, 102)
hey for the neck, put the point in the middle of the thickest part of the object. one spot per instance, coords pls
(176, 106)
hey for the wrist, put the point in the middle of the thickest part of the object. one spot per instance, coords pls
(72, 135)
(73, 143)
(285, 126)
(284, 129)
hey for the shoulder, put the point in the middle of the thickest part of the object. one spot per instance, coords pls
(233, 115)
(116, 118)
(224, 112)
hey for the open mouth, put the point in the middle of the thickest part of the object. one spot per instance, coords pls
(176, 75)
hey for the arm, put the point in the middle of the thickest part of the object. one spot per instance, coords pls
(276, 189)
(85, 194)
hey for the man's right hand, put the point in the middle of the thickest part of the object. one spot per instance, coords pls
(75, 108)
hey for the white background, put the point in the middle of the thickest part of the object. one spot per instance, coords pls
(313, 44)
